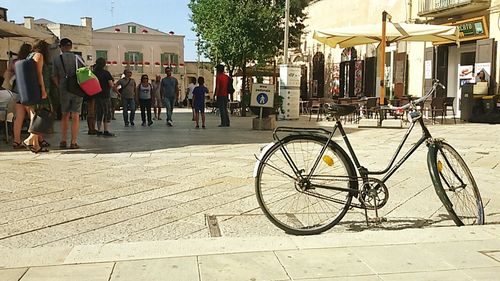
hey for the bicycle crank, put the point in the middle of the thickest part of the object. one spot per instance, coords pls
(374, 194)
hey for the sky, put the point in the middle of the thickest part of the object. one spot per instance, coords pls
(164, 15)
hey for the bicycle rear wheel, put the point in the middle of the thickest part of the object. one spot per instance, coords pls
(455, 185)
(295, 204)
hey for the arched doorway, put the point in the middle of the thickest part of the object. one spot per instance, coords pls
(318, 75)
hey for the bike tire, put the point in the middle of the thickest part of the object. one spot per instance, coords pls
(455, 185)
(306, 214)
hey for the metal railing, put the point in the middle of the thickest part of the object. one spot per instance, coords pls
(429, 6)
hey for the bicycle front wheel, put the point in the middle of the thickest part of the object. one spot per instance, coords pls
(455, 185)
(297, 201)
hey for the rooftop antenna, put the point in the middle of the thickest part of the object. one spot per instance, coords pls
(112, 10)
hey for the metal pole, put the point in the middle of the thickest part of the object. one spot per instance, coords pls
(383, 42)
(287, 31)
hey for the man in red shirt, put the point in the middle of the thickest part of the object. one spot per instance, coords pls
(221, 92)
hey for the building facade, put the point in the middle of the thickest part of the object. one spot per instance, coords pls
(410, 67)
(351, 71)
(130, 45)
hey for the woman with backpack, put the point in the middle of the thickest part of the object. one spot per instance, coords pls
(40, 54)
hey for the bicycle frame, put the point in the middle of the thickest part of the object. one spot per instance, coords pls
(391, 168)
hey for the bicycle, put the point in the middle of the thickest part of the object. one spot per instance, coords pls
(305, 182)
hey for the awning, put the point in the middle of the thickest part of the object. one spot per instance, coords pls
(367, 34)
(8, 29)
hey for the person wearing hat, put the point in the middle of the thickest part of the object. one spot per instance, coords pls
(71, 105)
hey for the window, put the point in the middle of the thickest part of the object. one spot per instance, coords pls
(172, 60)
(134, 61)
(132, 29)
(101, 54)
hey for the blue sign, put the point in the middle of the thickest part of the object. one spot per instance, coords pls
(262, 98)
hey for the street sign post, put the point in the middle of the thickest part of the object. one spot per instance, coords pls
(262, 96)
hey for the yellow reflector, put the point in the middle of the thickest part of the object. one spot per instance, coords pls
(440, 166)
(328, 160)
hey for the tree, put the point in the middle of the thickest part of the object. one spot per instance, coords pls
(236, 32)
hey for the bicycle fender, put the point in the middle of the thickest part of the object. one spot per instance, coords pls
(263, 151)
(436, 181)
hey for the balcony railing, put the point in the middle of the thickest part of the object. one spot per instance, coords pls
(432, 6)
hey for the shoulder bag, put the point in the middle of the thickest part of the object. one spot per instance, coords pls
(72, 85)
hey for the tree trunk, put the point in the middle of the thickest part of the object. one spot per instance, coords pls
(244, 96)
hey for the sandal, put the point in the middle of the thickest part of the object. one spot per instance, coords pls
(63, 144)
(74, 146)
(44, 143)
(17, 145)
(31, 148)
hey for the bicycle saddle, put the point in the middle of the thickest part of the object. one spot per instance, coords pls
(340, 109)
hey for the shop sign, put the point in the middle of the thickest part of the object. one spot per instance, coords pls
(472, 29)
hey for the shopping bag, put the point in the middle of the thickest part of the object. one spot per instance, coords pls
(88, 81)
(72, 85)
(42, 122)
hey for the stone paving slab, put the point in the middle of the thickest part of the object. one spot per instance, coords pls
(448, 253)
(134, 188)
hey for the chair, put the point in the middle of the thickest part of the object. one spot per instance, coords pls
(449, 102)
(304, 106)
(315, 106)
(6, 110)
(372, 107)
(437, 107)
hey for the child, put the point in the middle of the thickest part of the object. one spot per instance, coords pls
(199, 102)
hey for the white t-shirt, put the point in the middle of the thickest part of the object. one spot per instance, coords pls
(190, 89)
(145, 92)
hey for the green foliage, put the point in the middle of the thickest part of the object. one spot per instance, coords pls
(240, 31)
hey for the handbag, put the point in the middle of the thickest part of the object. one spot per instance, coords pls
(72, 85)
(87, 79)
(42, 121)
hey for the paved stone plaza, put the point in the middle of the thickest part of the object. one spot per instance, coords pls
(164, 183)
(182, 199)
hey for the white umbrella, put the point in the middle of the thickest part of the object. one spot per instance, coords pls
(367, 34)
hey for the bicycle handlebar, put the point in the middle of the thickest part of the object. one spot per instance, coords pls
(431, 91)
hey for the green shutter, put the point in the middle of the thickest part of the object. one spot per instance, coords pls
(163, 60)
(127, 57)
(140, 59)
(101, 54)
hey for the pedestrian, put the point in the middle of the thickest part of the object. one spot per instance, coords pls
(114, 102)
(170, 92)
(127, 91)
(103, 103)
(20, 110)
(189, 93)
(40, 54)
(157, 98)
(144, 91)
(91, 115)
(71, 104)
(199, 102)
(221, 93)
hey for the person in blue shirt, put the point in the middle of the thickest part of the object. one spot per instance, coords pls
(199, 102)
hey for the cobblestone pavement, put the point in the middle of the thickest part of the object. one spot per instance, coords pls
(163, 183)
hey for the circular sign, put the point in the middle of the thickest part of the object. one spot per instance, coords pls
(262, 98)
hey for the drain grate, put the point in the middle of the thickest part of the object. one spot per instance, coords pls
(213, 226)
